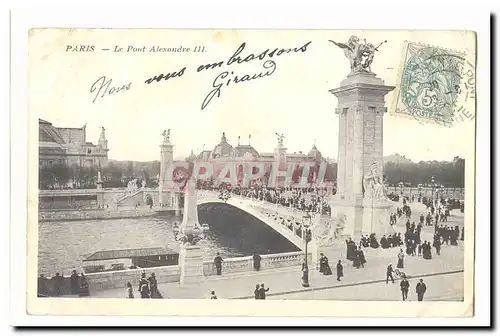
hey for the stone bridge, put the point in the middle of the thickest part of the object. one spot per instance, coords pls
(287, 221)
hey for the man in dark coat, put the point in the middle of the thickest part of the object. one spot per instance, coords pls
(74, 283)
(420, 289)
(256, 261)
(153, 287)
(144, 287)
(340, 270)
(262, 292)
(389, 274)
(405, 285)
(218, 264)
(256, 292)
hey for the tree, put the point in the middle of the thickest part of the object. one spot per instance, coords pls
(54, 176)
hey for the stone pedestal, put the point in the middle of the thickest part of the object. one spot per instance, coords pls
(191, 264)
(361, 110)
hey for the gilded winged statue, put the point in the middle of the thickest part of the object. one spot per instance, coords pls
(166, 135)
(360, 55)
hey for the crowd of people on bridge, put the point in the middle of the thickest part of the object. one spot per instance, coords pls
(304, 199)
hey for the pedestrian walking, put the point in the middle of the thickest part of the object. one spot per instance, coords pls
(420, 289)
(340, 270)
(405, 285)
(389, 272)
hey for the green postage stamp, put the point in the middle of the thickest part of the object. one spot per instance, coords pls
(431, 83)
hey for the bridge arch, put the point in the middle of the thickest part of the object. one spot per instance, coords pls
(282, 221)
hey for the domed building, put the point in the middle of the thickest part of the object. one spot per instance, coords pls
(223, 149)
(246, 151)
(192, 157)
(315, 154)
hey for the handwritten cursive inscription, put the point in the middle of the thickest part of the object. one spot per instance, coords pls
(159, 77)
(102, 87)
(269, 65)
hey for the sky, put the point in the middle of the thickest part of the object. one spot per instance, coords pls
(293, 100)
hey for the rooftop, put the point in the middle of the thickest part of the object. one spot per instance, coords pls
(129, 253)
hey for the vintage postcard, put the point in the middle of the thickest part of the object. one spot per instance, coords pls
(329, 172)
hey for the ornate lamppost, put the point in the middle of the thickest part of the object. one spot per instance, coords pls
(307, 235)
(433, 186)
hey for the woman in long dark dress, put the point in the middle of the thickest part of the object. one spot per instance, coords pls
(373, 241)
(340, 270)
(427, 252)
(322, 261)
(356, 262)
(401, 257)
(327, 269)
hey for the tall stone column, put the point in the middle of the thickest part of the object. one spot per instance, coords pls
(360, 108)
(166, 159)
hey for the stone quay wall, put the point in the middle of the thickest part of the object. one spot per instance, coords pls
(74, 215)
(166, 274)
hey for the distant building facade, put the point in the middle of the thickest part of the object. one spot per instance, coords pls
(64, 145)
(225, 152)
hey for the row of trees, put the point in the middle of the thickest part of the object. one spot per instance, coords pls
(448, 174)
(62, 176)
(117, 174)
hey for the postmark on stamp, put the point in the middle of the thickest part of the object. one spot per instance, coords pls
(434, 84)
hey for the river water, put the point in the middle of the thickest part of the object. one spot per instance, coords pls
(63, 245)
